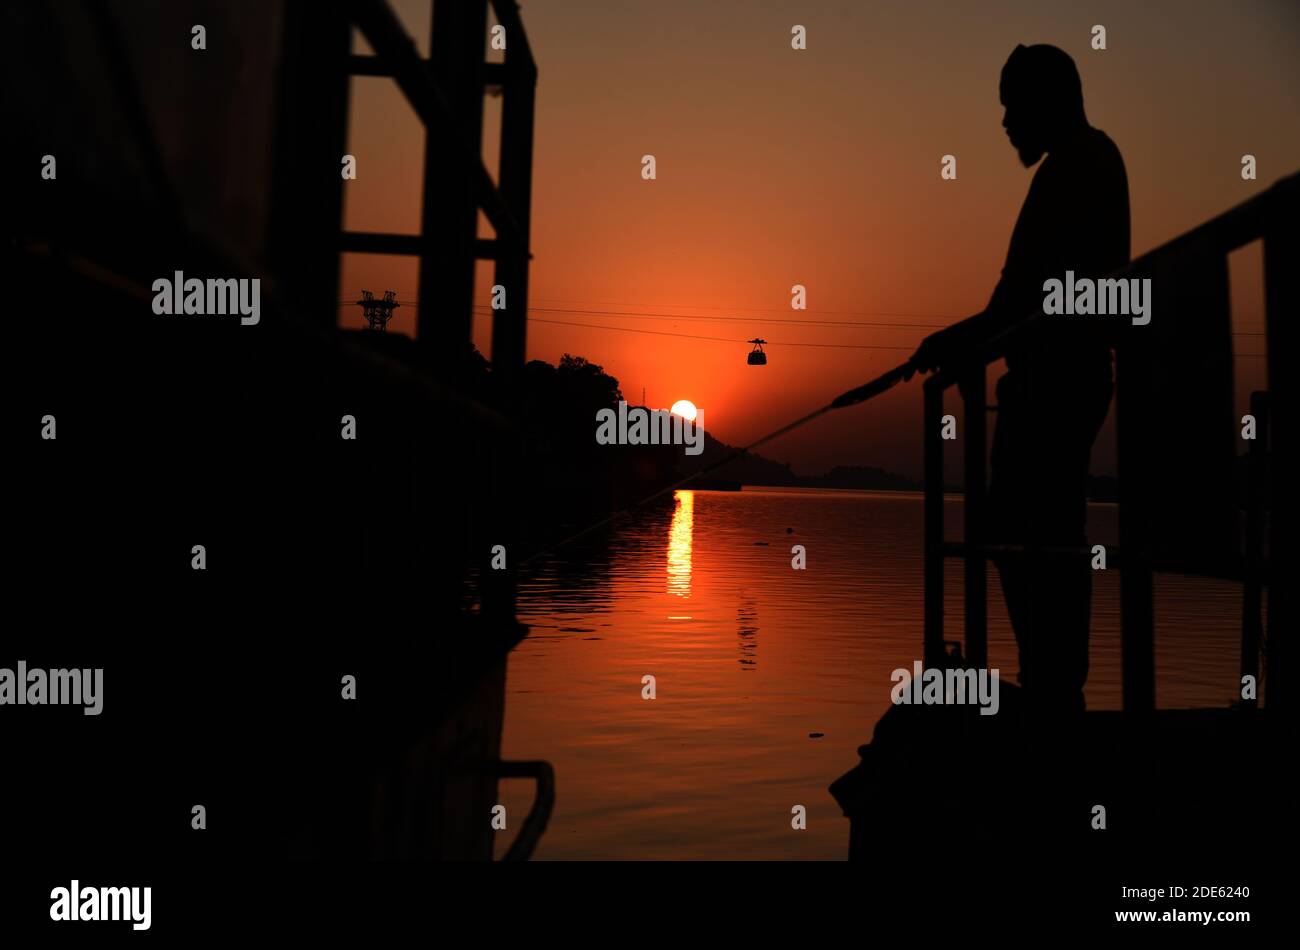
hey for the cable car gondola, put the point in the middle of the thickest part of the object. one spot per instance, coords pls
(756, 356)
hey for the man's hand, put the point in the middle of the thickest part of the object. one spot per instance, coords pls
(941, 347)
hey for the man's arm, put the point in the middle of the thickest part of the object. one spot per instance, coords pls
(1004, 310)
(943, 346)
(948, 344)
(1034, 251)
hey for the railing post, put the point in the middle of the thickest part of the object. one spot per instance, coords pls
(932, 439)
(973, 394)
(449, 215)
(1137, 615)
(1252, 600)
(510, 325)
(1282, 310)
(310, 135)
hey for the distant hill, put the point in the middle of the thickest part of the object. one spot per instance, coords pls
(750, 469)
(754, 469)
(862, 477)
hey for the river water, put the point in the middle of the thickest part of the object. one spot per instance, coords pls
(750, 657)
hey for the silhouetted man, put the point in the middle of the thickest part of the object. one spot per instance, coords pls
(1057, 388)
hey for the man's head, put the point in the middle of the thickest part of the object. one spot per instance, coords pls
(1043, 97)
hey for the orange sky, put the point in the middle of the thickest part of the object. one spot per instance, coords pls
(821, 167)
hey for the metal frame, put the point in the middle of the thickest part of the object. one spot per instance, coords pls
(446, 91)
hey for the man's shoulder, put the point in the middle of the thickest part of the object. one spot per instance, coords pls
(1095, 147)
(1101, 142)
(1091, 154)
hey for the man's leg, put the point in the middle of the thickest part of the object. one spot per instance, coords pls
(1058, 595)
(1007, 507)
(1038, 499)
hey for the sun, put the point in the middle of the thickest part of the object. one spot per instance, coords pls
(684, 408)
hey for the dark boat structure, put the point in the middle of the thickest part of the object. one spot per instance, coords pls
(1168, 781)
(251, 563)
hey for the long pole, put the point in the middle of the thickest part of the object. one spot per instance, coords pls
(880, 384)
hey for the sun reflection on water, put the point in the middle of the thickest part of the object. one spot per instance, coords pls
(679, 544)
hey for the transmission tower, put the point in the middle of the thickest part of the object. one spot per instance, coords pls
(378, 312)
